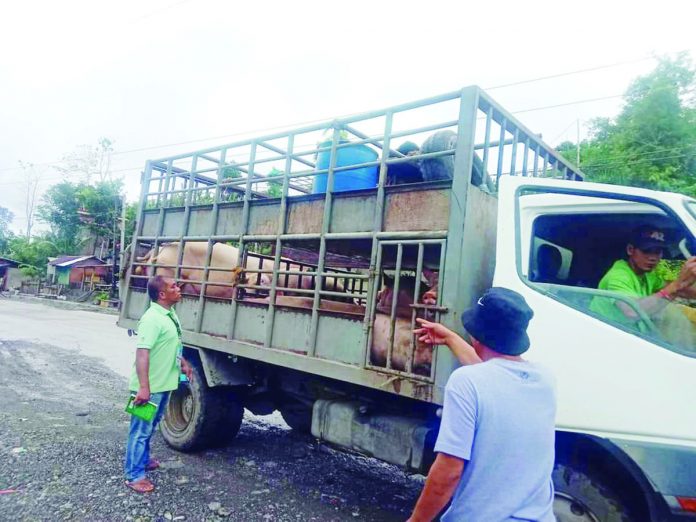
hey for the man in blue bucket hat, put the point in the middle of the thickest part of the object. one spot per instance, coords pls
(495, 448)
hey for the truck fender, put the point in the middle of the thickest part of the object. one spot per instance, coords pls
(578, 448)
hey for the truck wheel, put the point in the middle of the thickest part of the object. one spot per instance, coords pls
(199, 417)
(298, 416)
(582, 498)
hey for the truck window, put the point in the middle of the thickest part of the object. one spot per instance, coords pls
(579, 250)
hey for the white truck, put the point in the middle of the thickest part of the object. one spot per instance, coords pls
(481, 201)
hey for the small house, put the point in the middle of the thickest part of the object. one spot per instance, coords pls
(10, 275)
(77, 271)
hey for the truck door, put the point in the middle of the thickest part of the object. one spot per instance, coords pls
(621, 370)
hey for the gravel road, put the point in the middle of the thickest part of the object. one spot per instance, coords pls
(62, 434)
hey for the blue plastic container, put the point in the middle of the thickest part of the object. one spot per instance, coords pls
(351, 179)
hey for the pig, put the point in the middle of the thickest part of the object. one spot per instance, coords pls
(225, 257)
(423, 353)
(195, 252)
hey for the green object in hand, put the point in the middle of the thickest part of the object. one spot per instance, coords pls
(142, 411)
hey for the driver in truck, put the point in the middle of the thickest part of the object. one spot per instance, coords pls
(636, 277)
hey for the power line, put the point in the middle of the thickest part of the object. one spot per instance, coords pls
(310, 122)
(569, 73)
(608, 160)
(644, 160)
(579, 102)
(130, 151)
(188, 142)
(563, 131)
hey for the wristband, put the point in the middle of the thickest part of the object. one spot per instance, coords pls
(665, 294)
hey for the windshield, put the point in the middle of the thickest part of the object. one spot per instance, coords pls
(691, 206)
(585, 251)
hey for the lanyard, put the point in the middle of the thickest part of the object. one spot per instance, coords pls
(176, 323)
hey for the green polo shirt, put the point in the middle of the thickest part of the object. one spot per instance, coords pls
(622, 279)
(158, 333)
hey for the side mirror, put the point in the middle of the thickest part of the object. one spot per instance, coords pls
(687, 246)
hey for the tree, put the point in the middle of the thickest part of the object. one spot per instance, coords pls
(59, 209)
(30, 254)
(652, 142)
(131, 216)
(6, 234)
(32, 176)
(275, 188)
(73, 208)
(88, 163)
(228, 193)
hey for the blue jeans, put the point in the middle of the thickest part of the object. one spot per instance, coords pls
(138, 446)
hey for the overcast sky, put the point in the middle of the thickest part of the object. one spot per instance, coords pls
(171, 72)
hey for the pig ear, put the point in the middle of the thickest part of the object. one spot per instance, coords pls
(431, 276)
(237, 272)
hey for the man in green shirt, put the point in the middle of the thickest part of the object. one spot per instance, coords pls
(635, 277)
(156, 372)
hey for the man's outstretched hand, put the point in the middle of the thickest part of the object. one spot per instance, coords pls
(432, 333)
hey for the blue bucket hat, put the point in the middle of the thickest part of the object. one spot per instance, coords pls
(499, 320)
(647, 237)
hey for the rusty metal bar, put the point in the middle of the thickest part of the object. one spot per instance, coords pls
(392, 316)
(325, 228)
(211, 245)
(282, 220)
(499, 171)
(414, 311)
(241, 248)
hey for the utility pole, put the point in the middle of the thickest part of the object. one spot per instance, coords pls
(114, 259)
(577, 141)
(123, 231)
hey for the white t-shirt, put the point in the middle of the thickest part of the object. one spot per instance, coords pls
(499, 416)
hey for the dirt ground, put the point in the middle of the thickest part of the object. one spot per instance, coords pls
(63, 429)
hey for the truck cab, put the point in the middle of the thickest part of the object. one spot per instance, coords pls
(623, 385)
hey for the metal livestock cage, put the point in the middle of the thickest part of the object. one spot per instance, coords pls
(298, 202)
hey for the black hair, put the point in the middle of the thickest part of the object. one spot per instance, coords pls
(154, 286)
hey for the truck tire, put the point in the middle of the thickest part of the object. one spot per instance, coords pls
(583, 498)
(298, 416)
(199, 417)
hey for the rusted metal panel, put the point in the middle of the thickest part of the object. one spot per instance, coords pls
(291, 330)
(263, 218)
(150, 219)
(417, 210)
(304, 217)
(480, 247)
(212, 317)
(250, 323)
(230, 219)
(200, 221)
(186, 310)
(136, 306)
(346, 346)
(353, 213)
(173, 218)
